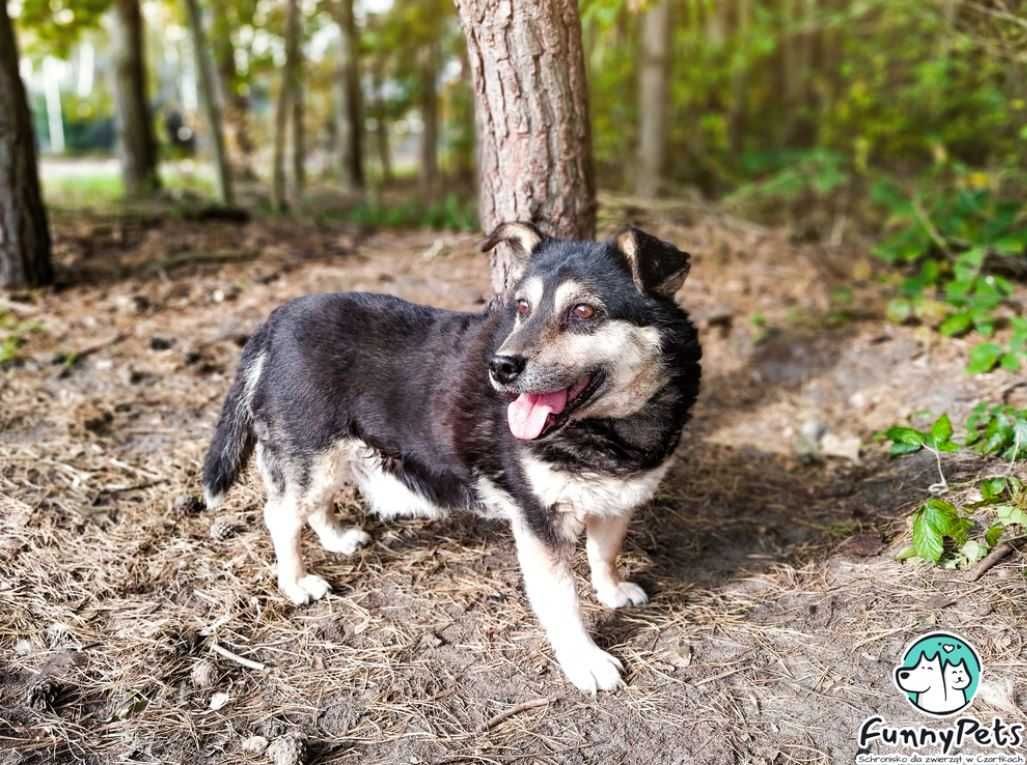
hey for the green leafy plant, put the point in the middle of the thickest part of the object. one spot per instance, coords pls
(998, 429)
(942, 532)
(947, 238)
(13, 336)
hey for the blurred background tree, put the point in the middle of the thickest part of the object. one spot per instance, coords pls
(769, 106)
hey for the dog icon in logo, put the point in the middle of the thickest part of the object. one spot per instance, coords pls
(939, 674)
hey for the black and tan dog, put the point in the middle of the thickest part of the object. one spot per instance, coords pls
(558, 408)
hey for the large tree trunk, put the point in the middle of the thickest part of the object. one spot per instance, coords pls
(24, 235)
(208, 98)
(234, 104)
(531, 109)
(349, 101)
(653, 95)
(429, 175)
(136, 142)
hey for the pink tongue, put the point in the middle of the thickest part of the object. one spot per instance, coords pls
(528, 412)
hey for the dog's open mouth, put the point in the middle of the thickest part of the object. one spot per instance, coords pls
(533, 415)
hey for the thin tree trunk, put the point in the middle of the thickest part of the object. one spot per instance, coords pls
(24, 234)
(234, 104)
(278, 178)
(531, 112)
(208, 99)
(137, 145)
(430, 119)
(381, 129)
(740, 80)
(349, 101)
(283, 107)
(653, 93)
(299, 155)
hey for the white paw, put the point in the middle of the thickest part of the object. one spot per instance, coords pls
(305, 589)
(592, 669)
(621, 594)
(345, 541)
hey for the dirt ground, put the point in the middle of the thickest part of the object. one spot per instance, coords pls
(135, 627)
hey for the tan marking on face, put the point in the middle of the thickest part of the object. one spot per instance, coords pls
(631, 355)
(532, 291)
(568, 294)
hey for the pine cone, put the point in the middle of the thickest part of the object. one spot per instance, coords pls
(224, 527)
(287, 750)
(43, 695)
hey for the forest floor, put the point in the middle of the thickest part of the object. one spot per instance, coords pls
(777, 612)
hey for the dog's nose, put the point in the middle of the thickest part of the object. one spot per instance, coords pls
(505, 369)
(904, 675)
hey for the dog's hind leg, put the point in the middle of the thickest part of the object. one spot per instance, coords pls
(327, 475)
(604, 537)
(283, 515)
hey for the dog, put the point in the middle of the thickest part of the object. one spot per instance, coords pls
(558, 408)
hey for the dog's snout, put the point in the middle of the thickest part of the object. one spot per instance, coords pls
(505, 369)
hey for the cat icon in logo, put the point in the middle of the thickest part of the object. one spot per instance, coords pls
(939, 674)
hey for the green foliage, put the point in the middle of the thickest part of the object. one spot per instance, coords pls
(52, 27)
(14, 334)
(451, 213)
(892, 84)
(906, 440)
(947, 238)
(935, 522)
(790, 176)
(941, 531)
(999, 430)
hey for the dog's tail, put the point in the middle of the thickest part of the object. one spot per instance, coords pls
(233, 441)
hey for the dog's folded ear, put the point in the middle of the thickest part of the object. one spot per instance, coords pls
(657, 267)
(522, 239)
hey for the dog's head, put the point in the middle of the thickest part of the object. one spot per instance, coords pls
(926, 674)
(582, 329)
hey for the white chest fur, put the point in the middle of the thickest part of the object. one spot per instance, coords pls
(584, 493)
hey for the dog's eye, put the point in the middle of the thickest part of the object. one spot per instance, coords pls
(583, 312)
(523, 309)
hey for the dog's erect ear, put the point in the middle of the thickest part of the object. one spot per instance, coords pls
(657, 267)
(509, 264)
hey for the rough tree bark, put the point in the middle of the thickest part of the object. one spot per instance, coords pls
(531, 113)
(137, 145)
(208, 98)
(349, 100)
(429, 107)
(653, 96)
(24, 234)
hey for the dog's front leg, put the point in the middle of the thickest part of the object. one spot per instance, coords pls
(604, 537)
(549, 582)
